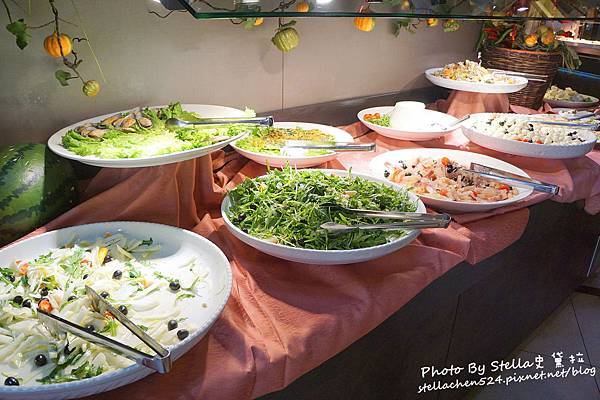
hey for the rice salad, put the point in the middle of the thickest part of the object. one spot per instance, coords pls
(119, 269)
(513, 127)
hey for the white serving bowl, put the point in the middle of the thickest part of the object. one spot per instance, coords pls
(325, 257)
(430, 129)
(527, 149)
(297, 160)
(177, 246)
(477, 87)
(463, 157)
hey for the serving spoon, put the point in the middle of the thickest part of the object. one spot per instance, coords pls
(262, 121)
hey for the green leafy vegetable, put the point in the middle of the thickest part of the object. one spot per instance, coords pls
(63, 77)
(286, 207)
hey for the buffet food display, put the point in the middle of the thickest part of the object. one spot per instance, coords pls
(140, 137)
(271, 145)
(568, 97)
(470, 76)
(170, 282)
(528, 136)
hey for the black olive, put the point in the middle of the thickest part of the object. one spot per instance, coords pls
(172, 324)
(90, 328)
(26, 303)
(104, 295)
(182, 334)
(67, 350)
(174, 286)
(11, 381)
(386, 173)
(18, 300)
(407, 174)
(44, 292)
(71, 298)
(123, 309)
(10, 278)
(108, 258)
(85, 276)
(117, 274)
(40, 360)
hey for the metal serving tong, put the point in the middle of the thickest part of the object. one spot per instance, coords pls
(510, 178)
(407, 220)
(160, 363)
(592, 126)
(529, 76)
(336, 146)
(263, 121)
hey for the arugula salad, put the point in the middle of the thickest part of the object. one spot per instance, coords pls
(272, 140)
(142, 133)
(287, 207)
(120, 270)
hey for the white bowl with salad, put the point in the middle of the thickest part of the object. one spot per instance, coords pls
(170, 282)
(281, 213)
(266, 145)
(435, 176)
(429, 126)
(138, 138)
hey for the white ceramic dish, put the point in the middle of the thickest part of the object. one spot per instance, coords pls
(463, 157)
(325, 257)
(527, 149)
(477, 87)
(429, 131)
(299, 161)
(572, 104)
(177, 246)
(208, 111)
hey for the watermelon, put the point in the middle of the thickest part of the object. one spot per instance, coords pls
(35, 187)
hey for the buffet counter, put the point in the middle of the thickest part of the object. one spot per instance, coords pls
(283, 318)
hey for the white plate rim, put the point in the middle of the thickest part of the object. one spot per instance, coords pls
(523, 192)
(412, 234)
(55, 143)
(477, 87)
(573, 104)
(122, 373)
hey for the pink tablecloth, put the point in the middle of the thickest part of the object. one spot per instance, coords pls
(285, 318)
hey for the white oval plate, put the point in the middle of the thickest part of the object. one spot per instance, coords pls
(429, 131)
(208, 111)
(299, 161)
(325, 257)
(572, 104)
(177, 246)
(527, 149)
(463, 157)
(477, 87)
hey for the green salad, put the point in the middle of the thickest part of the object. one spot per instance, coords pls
(142, 133)
(286, 207)
(272, 140)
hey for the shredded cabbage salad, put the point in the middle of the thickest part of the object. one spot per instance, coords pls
(151, 294)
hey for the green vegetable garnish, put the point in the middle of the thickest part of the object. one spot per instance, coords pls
(285, 207)
(271, 140)
(383, 121)
(137, 140)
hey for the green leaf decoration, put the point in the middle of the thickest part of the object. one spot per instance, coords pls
(19, 29)
(63, 77)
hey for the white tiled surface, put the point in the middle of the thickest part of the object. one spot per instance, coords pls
(574, 327)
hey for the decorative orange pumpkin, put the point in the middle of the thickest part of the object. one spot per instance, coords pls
(258, 21)
(365, 24)
(52, 46)
(91, 88)
(432, 21)
(303, 7)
